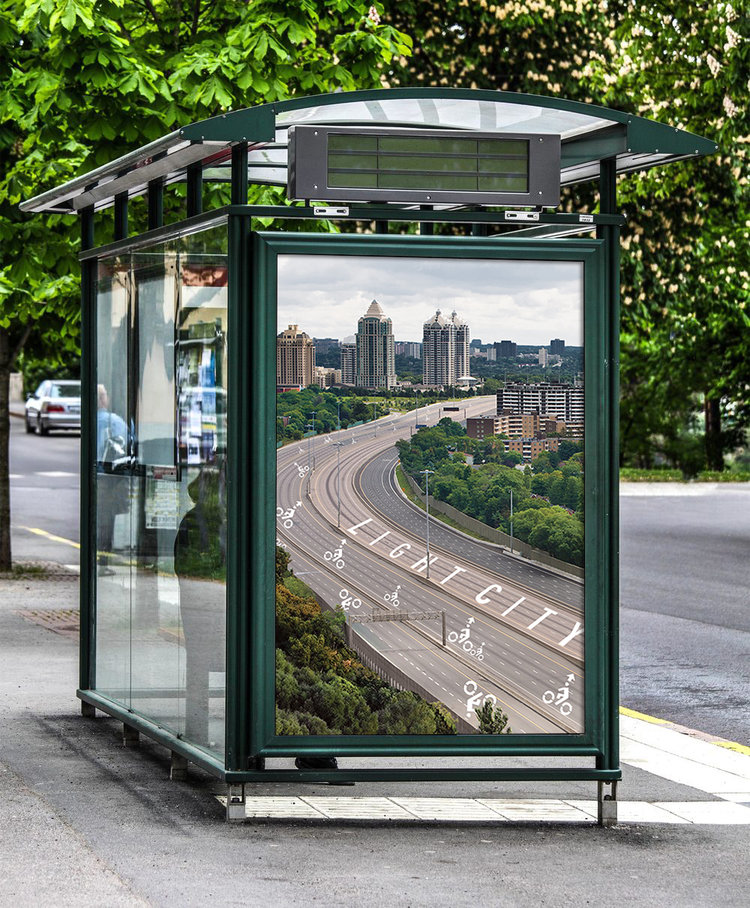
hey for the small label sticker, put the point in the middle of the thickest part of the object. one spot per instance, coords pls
(585, 218)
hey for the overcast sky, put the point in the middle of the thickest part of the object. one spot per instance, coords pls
(526, 302)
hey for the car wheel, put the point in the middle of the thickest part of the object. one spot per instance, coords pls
(29, 427)
(40, 427)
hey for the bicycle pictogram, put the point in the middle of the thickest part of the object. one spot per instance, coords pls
(476, 698)
(561, 697)
(302, 469)
(463, 639)
(287, 516)
(335, 555)
(348, 601)
(393, 597)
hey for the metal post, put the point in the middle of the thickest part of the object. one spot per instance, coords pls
(236, 803)
(511, 521)
(121, 216)
(87, 650)
(239, 174)
(178, 768)
(194, 189)
(444, 634)
(426, 474)
(155, 204)
(338, 445)
(611, 236)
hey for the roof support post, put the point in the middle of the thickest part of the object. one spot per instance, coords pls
(155, 204)
(121, 216)
(239, 174)
(611, 236)
(87, 591)
(194, 189)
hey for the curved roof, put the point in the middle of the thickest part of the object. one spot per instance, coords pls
(588, 133)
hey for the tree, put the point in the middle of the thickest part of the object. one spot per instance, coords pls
(492, 720)
(685, 281)
(685, 338)
(84, 81)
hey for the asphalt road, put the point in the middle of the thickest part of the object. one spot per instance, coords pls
(685, 595)
(44, 495)
(528, 644)
(685, 577)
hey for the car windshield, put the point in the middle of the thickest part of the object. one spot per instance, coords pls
(65, 389)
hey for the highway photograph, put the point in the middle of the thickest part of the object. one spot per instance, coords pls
(472, 625)
(438, 524)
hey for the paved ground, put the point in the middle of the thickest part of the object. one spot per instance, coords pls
(85, 821)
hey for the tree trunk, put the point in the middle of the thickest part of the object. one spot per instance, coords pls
(5, 358)
(10, 347)
(714, 447)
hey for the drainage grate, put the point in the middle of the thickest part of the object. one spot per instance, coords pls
(63, 621)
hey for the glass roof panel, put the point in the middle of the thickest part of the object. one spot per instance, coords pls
(449, 113)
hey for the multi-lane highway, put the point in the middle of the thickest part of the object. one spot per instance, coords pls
(514, 632)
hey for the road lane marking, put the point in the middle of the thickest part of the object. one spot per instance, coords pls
(52, 537)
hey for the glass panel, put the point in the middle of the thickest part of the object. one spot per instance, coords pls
(446, 181)
(200, 547)
(161, 510)
(353, 160)
(352, 143)
(411, 449)
(113, 492)
(353, 180)
(507, 183)
(420, 145)
(503, 147)
(427, 163)
(448, 112)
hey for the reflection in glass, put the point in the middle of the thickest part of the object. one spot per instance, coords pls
(161, 468)
(429, 527)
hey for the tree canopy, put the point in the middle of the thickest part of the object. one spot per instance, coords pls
(84, 81)
(685, 338)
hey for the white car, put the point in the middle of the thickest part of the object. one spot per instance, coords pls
(56, 404)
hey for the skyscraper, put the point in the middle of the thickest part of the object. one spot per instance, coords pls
(349, 360)
(557, 346)
(376, 358)
(505, 349)
(445, 349)
(295, 358)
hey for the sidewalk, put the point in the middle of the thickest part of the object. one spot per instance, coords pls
(109, 828)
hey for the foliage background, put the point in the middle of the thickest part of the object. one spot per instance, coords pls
(83, 81)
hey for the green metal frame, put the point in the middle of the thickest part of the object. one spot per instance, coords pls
(599, 609)
(250, 707)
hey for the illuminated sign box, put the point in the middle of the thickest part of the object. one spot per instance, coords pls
(427, 166)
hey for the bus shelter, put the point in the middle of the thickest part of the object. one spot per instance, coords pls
(349, 485)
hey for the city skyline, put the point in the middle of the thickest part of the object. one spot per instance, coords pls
(501, 299)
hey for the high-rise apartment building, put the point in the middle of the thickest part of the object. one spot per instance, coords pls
(349, 360)
(409, 348)
(505, 349)
(445, 350)
(376, 357)
(557, 346)
(295, 358)
(557, 400)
